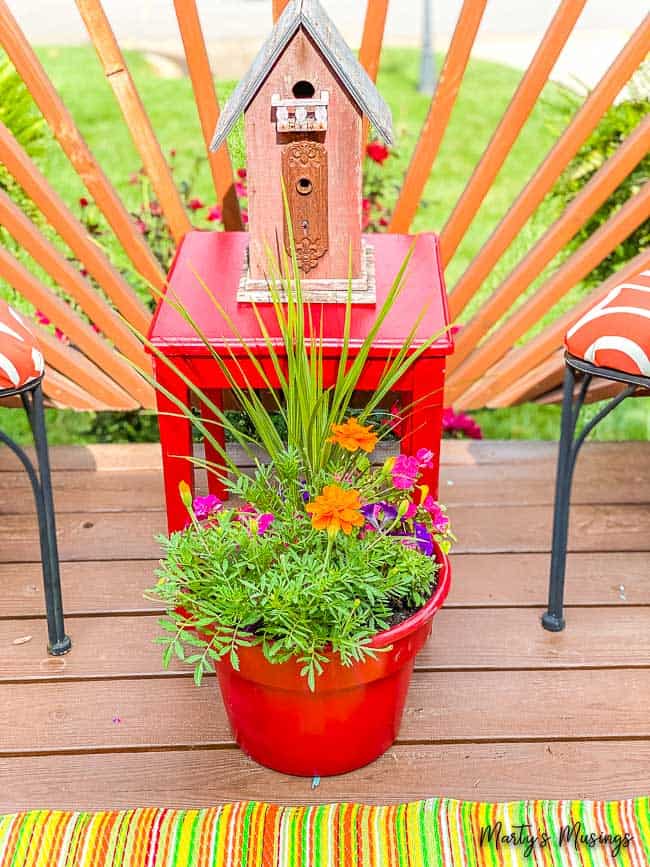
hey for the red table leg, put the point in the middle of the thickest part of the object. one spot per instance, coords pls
(176, 443)
(423, 427)
(215, 486)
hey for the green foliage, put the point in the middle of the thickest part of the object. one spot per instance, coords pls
(23, 120)
(297, 591)
(616, 125)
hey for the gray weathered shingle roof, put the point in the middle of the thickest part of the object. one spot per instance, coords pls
(310, 15)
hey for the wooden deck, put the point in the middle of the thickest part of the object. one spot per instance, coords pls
(498, 709)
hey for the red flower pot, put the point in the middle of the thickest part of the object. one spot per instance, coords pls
(351, 718)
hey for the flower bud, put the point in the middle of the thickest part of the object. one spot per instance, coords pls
(186, 495)
(424, 493)
(389, 463)
(403, 508)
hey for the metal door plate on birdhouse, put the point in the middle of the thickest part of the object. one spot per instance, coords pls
(323, 291)
(304, 172)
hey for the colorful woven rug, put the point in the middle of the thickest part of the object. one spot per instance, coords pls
(423, 834)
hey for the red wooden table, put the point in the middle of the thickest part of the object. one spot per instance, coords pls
(216, 258)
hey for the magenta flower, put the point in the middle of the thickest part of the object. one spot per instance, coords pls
(264, 522)
(195, 204)
(425, 458)
(205, 506)
(438, 518)
(458, 425)
(405, 472)
(214, 214)
(240, 190)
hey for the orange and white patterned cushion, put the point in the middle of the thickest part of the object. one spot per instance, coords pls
(615, 333)
(20, 358)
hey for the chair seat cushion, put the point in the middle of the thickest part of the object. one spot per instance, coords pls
(20, 358)
(615, 333)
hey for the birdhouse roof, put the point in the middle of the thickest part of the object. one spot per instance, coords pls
(310, 15)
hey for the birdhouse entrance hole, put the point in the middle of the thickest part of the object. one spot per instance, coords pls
(303, 90)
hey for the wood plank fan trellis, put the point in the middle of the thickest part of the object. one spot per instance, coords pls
(488, 368)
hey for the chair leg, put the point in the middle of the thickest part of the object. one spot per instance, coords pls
(58, 642)
(553, 618)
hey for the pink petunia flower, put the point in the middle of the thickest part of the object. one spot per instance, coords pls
(264, 522)
(425, 458)
(438, 518)
(405, 472)
(205, 506)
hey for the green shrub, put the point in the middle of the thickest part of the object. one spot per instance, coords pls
(24, 121)
(616, 125)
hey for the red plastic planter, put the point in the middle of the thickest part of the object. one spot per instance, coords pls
(354, 714)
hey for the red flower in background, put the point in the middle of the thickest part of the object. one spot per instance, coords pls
(242, 173)
(214, 214)
(195, 204)
(84, 202)
(378, 152)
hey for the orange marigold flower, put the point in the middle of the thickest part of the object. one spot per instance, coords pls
(336, 509)
(353, 436)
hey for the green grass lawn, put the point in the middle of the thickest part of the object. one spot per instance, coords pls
(484, 95)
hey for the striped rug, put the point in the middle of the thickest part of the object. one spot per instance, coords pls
(445, 832)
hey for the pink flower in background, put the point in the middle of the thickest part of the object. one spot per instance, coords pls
(244, 216)
(214, 214)
(156, 210)
(397, 420)
(242, 173)
(405, 472)
(195, 204)
(44, 320)
(458, 425)
(241, 191)
(264, 522)
(141, 226)
(378, 152)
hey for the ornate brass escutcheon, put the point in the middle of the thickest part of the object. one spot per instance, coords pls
(304, 170)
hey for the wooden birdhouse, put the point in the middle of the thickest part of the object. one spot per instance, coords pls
(303, 102)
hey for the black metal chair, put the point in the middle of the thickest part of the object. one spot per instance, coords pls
(30, 393)
(623, 317)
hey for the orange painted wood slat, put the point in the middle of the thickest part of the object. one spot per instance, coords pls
(278, 8)
(70, 280)
(208, 108)
(370, 50)
(137, 120)
(519, 361)
(69, 362)
(586, 203)
(546, 377)
(510, 126)
(24, 170)
(60, 120)
(62, 392)
(585, 120)
(440, 110)
(576, 267)
(79, 332)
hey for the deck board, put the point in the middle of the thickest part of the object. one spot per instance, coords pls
(499, 709)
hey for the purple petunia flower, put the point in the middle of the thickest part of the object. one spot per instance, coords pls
(205, 506)
(421, 539)
(379, 515)
(405, 472)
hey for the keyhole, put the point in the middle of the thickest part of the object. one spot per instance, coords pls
(304, 186)
(305, 227)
